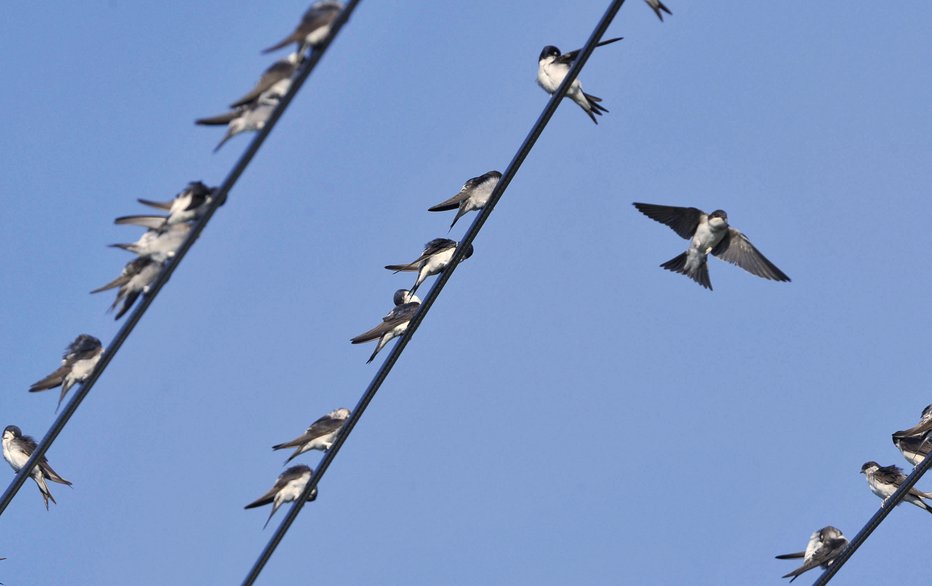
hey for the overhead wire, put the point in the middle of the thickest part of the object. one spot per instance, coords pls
(219, 198)
(875, 521)
(434, 292)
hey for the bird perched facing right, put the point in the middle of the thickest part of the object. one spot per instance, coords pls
(552, 68)
(17, 449)
(287, 488)
(915, 443)
(436, 257)
(709, 233)
(473, 195)
(313, 28)
(885, 480)
(190, 204)
(394, 324)
(249, 117)
(824, 546)
(77, 365)
(320, 435)
(134, 280)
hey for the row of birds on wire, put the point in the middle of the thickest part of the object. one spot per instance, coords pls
(165, 234)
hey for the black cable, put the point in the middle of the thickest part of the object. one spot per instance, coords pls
(875, 521)
(219, 197)
(428, 301)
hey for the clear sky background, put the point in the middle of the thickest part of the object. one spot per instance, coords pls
(569, 412)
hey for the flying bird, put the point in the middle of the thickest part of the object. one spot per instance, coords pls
(552, 68)
(436, 256)
(287, 488)
(77, 364)
(824, 546)
(313, 28)
(137, 276)
(884, 480)
(394, 324)
(275, 80)
(657, 6)
(159, 243)
(17, 449)
(187, 206)
(320, 435)
(472, 196)
(709, 233)
(248, 118)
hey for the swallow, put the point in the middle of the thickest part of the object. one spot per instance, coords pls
(17, 449)
(248, 118)
(824, 546)
(921, 428)
(187, 206)
(657, 6)
(884, 480)
(288, 487)
(159, 243)
(314, 27)
(914, 448)
(394, 324)
(472, 196)
(436, 256)
(275, 80)
(552, 68)
(77, 364)
(709, 233)
(136, 278)
(320, 435)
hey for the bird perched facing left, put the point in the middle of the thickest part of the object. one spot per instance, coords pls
(709, 233)
(824, 546)
(319, 435)
(77, 364)
(287, 488)
(17, 449)
(552, 68)
(884, 480)
(436, 257)
(394, 324)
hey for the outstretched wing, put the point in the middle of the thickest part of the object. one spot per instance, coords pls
(684, 221)
(737, 249)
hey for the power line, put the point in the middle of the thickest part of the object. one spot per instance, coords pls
(219, 197)
(875, 521)
(428, 301)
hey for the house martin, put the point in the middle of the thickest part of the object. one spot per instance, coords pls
(657, 6)
(914, 448)
(552, 68)
(472, 196)
(824, 546)
(394, 324)
(313, 28)
(248, 118)
(159, 243)
(921, 428)
(435, 258)
(187, 206)
(884, 480)
(276, 80)
(137, 276)
(288, 487)
(17, 449)
(77, 364)
(320, 435)
(709, 233)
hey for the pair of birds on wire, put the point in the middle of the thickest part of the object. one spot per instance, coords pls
(251, 112)
(826, 544)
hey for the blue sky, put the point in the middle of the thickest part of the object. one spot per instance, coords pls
(569, 412)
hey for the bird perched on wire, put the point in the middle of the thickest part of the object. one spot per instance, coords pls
(160, 243)
(250, 117)
(314, 27)
(709, 233)
(552, 68)
(472, 196)
(135, 279)
(394, 324)
(657, 6)
(824, 546)
(77, 364)
(17, 449)
(915, 443)
(319, 435)
(287, 488)
(436, 257)
(189, 205)
(276, 80)
(885, 480)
